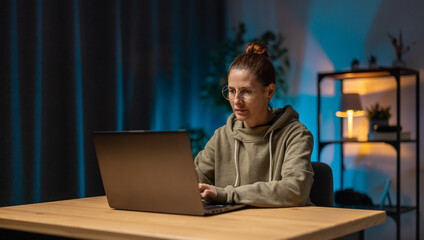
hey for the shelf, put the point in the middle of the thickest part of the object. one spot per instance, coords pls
(368, 73)
(394, 143)
(380, 74)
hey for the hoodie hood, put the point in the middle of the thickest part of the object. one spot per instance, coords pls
(283, 116)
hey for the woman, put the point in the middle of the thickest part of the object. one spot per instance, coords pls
(261, 156)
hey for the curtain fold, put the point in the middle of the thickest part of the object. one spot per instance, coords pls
(72, 67)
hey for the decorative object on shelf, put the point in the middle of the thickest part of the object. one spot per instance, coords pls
(350, 107)
(221, 58)
(378, 116)
(386, 194)
(372, 62)
(385, 128)
(379, 128)
(354, 65)
(400, 49)
(388, 136)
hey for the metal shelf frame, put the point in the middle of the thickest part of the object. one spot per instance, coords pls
(396, 73)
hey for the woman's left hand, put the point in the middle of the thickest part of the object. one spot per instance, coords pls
(207, 192)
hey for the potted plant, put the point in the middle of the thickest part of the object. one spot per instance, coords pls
(378, 115)
(372, 62)
(400, 49)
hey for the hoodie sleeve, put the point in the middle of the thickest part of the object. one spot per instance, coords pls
(205, 163)
(288, 188)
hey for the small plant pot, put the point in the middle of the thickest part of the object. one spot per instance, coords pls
(377, 122)
(399, 63)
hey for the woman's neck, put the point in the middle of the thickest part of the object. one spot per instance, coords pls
(268, 118)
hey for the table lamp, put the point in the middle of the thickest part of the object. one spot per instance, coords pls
(350, 107)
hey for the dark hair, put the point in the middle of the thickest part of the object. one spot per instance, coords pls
(256, 60)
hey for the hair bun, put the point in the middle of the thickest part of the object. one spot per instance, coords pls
(257, 48)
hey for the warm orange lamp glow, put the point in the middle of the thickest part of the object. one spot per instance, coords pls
(350, 107)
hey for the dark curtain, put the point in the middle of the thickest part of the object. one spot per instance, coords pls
(71, 67)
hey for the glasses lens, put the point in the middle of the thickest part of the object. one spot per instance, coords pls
(225, 92)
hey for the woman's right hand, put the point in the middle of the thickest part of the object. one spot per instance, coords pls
(207, 192)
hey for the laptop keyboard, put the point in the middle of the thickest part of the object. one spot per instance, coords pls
(209, 206)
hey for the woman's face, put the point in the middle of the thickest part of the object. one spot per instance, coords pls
(248, 98)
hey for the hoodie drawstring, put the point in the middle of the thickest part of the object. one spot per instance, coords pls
(270, 156)
(236, 150)
(236, 161)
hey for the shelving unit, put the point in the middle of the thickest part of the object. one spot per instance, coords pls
(397, 73)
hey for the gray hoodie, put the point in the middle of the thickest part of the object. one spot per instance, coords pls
(268, 165)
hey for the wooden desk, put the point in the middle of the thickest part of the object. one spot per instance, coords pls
(91, 218)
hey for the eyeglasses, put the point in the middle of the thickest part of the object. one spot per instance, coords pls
(244, 93)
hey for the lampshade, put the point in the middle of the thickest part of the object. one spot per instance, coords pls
(350, 102)
(350, 107)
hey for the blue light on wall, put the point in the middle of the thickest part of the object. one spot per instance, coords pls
(176, 71)
(131, 71)
(168, 92)
(38, 102)
(79, 102)
(15, 116)
(157, 101)
(194, 69)
(119, 74)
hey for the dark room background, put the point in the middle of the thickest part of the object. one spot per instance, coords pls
(72, 67)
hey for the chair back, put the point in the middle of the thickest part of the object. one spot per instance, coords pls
(322, 188)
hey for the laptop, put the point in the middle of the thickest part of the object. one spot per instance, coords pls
(151, 171)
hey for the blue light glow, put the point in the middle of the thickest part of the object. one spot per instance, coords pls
(167, 85)
(176, 111)
(38, 102)
(194, 85)
(15, 120)
(119, 74)
(79, 102)
(130, 83)
(157, 99)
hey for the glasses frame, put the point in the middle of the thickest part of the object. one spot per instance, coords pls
(241, 96)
